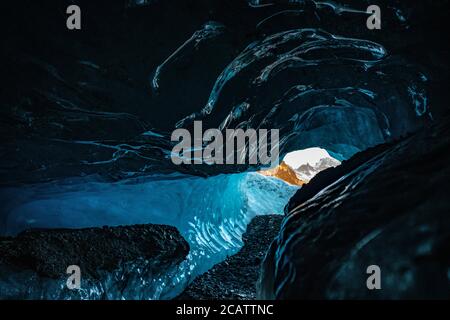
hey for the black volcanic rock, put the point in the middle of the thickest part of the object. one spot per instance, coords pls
(235, 278)
(387, 206)
(99, 252)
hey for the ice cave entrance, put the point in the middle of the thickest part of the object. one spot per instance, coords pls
(211, 213)
(299, 167)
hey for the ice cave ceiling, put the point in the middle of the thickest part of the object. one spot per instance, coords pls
(106, 100)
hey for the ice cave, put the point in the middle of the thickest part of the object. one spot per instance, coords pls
(86, 151)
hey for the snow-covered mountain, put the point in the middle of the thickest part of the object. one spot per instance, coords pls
(303, 174)
(307, 171)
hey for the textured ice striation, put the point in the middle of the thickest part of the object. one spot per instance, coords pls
(211, 213)
(308, 82)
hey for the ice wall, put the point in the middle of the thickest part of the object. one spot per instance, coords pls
(211, 213)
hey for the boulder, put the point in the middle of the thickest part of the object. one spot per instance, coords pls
(107, 257)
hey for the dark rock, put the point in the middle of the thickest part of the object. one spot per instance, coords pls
(387, 206)
(99, 252)
(235, 278)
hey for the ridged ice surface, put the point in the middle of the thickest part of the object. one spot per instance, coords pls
(308, 82)
(211, 213)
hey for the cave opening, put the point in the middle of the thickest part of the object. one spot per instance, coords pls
(300, 166)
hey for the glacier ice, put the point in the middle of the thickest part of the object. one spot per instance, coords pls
(211, 213)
